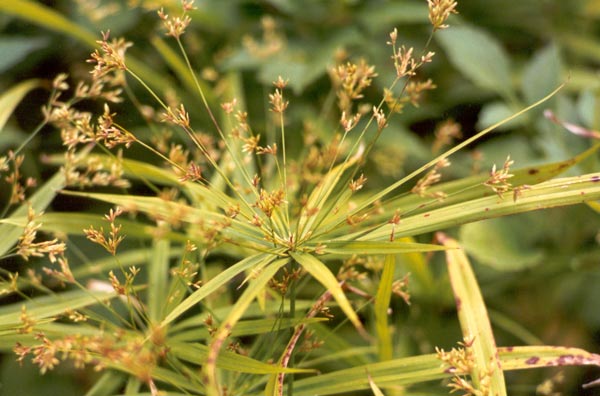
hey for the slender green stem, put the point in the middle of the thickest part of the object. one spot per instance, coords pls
(283, 154)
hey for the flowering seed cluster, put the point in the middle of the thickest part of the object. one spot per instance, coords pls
(431, 178)
(113, 240)
(498, 180)
(439, 12)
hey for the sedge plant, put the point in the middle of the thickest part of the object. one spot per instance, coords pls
(255, 251)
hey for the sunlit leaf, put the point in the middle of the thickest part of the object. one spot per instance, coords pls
(197, 353)
(382, 305)
(558, 192)
(51, 306)
(214, 284)
(321, 273)
(474, 320)
(423, 368)
(376, 248)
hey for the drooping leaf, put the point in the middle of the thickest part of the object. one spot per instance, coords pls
(158, 276)
(318, 270)
(382, 305)
(474, 320)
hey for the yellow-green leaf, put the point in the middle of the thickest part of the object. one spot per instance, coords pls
(318, 270)
(474, 320)
(214, 284)
(557, 192)
(376, 247)
(382, 304)
(197, 353)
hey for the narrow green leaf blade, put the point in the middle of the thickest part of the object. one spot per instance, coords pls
(423, 368)
(473, 318)
(71, 223)
(472, 187)
(377, 247)
(243, 231)
(382, 304)
(48, 18)
(51, 305)
(528, 357)
(237, 311)
(366, 203)
(397, 372)
(318, 270)
(197, 354)
(214, 284)
(557, 192)
(247, 328)
(38, 201)
(13, 96)
(158, 276)
(318, 197)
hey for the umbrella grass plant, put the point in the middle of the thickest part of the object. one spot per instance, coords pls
(253, 251)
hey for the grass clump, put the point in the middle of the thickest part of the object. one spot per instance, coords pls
(252, 258)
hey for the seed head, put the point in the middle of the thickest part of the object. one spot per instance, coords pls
(439, 11)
